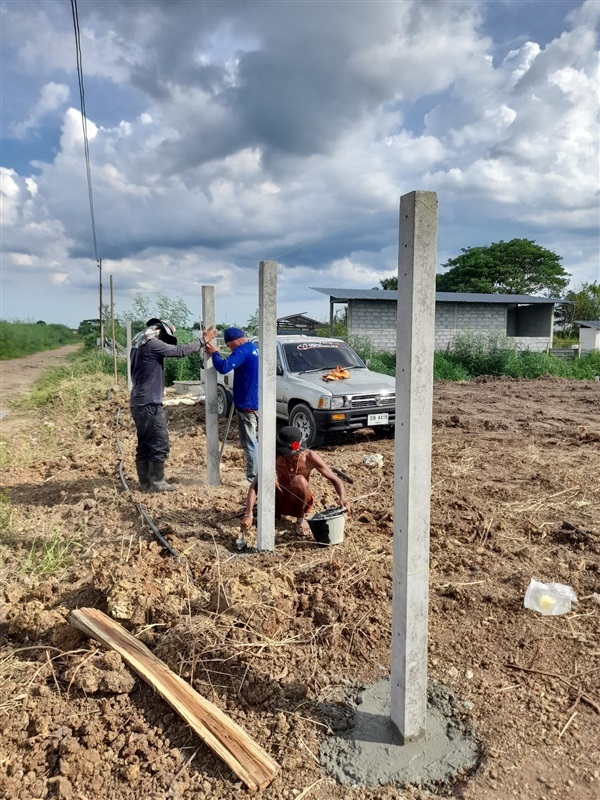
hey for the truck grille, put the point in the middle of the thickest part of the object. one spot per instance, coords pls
(366, 400)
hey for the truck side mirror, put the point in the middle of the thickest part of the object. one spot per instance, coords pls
(368, 363)
(279, 369)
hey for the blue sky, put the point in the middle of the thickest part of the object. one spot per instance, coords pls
(223, 133)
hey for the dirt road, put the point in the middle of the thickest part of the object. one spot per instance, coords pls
(18, 375)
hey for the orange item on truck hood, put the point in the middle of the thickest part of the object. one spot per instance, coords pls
(337, 374)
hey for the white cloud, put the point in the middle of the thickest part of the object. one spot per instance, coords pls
(52, 97)
(9, 189)
(71, 140)
(266, 129)
(518, 62)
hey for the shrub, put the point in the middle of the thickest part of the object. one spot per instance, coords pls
(18, 339)
(562, 341)
(482, 354)
(445, 369)
(362, 345)
(585, 368)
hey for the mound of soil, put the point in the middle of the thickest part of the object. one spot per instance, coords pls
(281, 641)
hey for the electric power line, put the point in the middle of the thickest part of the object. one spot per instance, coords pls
(84, 122)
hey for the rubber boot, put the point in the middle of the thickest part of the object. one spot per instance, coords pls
(142, 473)
(156, 476)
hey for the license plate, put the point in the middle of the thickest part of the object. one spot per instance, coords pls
(377, 419)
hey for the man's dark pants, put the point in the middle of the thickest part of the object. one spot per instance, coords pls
(153, 435)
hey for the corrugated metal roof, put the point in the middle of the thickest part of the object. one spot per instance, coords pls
(440, 297)
(301, 316)
(589, 323)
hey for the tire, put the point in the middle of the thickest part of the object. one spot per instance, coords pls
(384, 431)
(302, 417)
(223, 401)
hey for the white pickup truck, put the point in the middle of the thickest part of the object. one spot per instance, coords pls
(304, 399)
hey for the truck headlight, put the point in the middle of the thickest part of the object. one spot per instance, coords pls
(331, 402)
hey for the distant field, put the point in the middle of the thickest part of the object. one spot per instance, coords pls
(18, 339)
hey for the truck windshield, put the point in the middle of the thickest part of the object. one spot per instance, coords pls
(320, 355)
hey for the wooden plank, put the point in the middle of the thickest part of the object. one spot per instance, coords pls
(253, 765)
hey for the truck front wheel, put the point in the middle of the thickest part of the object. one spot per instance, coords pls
(223, 401)
(302, 417)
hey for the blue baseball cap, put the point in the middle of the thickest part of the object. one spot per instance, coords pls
(233, 333)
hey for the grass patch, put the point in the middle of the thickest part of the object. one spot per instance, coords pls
(72, 387)
(6, 517)
(47, 556)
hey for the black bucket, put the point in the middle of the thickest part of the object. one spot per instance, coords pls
(328, 526)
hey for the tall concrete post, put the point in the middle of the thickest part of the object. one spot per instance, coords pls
(213, 465)
(417, 257)
(129, 381)
(267, 337)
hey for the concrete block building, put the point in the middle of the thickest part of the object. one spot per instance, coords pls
(589, 334)
(526, 319)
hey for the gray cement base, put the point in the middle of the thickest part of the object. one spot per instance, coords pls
(370, 753)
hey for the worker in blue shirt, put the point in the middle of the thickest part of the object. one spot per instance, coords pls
(244, 361)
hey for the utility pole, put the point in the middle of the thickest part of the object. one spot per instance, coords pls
(100, 319)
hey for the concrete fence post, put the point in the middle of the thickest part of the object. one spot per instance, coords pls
(213, 465)
(267, 339)
(129, 380)
(417, 258)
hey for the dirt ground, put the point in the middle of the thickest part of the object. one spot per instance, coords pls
(19, 374)
(280, 642)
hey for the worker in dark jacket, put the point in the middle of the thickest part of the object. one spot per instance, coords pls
(148, 352)
(244, 361)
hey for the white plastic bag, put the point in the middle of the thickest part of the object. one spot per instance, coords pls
(549, 599)
(374, 461)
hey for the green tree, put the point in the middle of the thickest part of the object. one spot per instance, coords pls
(163, 307)
(517, 267)
(88, 327)
(584, 304)
(388, 283)
(251, 327)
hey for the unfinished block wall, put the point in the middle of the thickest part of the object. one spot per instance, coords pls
(376, 320)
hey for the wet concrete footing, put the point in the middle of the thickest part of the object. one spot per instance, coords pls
(371, 752)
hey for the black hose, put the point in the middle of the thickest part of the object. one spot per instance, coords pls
(181, 559)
